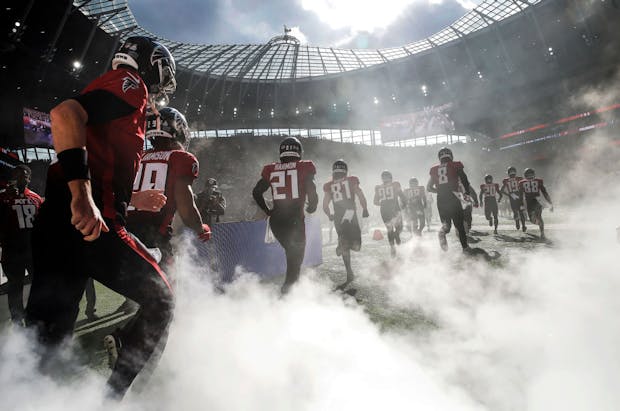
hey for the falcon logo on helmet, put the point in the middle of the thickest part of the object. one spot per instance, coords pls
(512, 171)
(529, 173)
(169, 123)
(340, 169)
(290, 147)
(445, 154)
(153, 62)
(386, 176)
(488, 179)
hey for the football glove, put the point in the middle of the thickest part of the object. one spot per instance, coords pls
(365, 213)
(331, 217)
(206, 233)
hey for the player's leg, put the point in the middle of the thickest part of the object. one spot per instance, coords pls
(398, 227)
(123, 264)
(15, 272)
(516, 212)
(467, 219)
(58, 280)
(421, 219)
(295, 254)
(458, 216)
(91, 299)
(446, 223)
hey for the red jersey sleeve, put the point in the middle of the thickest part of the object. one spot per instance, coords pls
(124, 84)
(354, 182)
(266, 173)
(183, 164)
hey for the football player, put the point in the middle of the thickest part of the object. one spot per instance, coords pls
(444, 180)
(18, 207)
(99, 136)
(510, 188)
(531, 188)
(390, 199)
(342, 190)
(416, 204)
(291, 181)
(488, 196)
(428, 212)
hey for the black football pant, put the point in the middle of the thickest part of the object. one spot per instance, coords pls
(393, 223)
(491, 210)
(118, 261)
(15, 272)
(418, 220)
(290, 231)
(517, 210)
(451, 211)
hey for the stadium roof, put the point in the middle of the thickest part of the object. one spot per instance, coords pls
(283, 58)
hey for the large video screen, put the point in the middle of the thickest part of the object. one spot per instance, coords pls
(431, 121)
(37, 128)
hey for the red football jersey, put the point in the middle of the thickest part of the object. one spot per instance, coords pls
(414, 195)
(17, 213)
(160, 170)
(531, 188)
(511, 184)
(489, 190)
(387, 195)
(343, 193)
(287, 182)
(114, 148)
(445, 176)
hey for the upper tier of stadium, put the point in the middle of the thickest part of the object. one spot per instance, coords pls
(283, 58)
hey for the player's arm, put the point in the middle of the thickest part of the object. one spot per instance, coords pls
(313, 197)
(543, 190)
(501, 195)
(375, 200)
(327, 198)
(480, 195)
(148, 200)
(261, 186)
(465, 181)
(473, 195)
(403, 199)
(430, 186)
(362, 198)
(186, 207)
(220, 205)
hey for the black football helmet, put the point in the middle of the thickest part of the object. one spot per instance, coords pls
(413, 182)
(488, 179)
(168, 123)
(445, 154)
(211, 181)
(340, 169)
(512, 171)
(386, 176)
(152, 60)
(291, 147)
(529, 173)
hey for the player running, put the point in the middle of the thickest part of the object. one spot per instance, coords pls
(99, 136)
(416, 204)
(389, 197)
(291, 181)
(510, 188)
(18, 208)
(531, 188)
(488, 196)
(444, 180)
(342, 190)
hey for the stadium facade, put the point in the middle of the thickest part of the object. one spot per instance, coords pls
(497, 72)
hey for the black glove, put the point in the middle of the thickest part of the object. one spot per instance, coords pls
(310, 209)
(331, 217)
(365, 213)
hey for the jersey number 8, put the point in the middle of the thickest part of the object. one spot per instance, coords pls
(442, 173)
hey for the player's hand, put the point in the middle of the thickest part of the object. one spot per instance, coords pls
(331, 217)
(206, 233)
(310, 210)
(551, 208)
(365, 213)
(476, 205)
(85, 216)
(149, 200)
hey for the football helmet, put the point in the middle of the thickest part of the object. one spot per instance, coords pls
(168, 123)
(291, 147)
(488, 179)
(512, 171)
(529, 173)
(340, 169)
(445, 154)
(413, 182)
(152, 60)
(386, 176)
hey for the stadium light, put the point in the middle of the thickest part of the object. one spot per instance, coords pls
(17, 24)
(376, 100)
(480, 75)
(424, 90)
(77, 65)
(296, 111)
